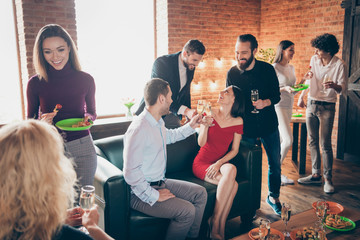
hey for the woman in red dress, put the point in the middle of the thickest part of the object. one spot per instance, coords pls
(223, 127)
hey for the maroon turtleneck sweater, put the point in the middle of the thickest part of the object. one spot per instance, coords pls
(74, 90)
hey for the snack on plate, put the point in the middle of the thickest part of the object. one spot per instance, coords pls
(273, 236)
(335, 221)
(57, 108)
(306, 234)
(297, 86)
(81, 124)
(255, 234)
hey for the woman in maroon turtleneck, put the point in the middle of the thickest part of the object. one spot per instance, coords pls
(59, 80)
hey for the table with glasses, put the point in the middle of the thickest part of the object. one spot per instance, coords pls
(308, 219)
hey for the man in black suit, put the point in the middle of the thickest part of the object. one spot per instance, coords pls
(178, 70)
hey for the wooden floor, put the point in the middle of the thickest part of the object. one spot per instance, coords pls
(346, 179)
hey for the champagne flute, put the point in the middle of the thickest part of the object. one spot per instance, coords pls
(264, 228)
(325, 80)
(320, 232)
(321, 210)
(254, 98)
(285, 216)
(208, 109)
(87, 200)
(200, 106)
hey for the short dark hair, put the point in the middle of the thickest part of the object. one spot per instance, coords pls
(326, 42)
(195, 46)
(153, 89)
(238, 107)
(248, 38)
(283, 45)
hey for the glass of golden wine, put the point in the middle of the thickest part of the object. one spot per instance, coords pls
(201, 106)
(285, 216)
(87, 200)
(208, 109)
(254, 98)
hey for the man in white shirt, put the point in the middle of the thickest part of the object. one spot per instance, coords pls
(329, 79)
(145, 165)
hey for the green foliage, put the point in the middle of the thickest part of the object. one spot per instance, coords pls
(266, 55)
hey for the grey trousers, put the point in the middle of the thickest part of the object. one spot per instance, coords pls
(185, 210)
(320, 118)
(82, 151)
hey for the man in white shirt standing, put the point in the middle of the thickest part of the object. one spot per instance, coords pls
(145, 165)
(329, 79)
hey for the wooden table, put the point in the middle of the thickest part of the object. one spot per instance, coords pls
(308, 219)
(301, 164)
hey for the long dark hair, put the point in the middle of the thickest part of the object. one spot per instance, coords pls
(283, 45)
(238, 107)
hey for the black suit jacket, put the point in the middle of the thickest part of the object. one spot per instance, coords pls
(167, 68)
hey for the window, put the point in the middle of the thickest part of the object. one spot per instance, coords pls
(10, 107)
(116, 46)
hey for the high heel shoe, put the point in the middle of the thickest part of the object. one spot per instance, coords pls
(209, 234)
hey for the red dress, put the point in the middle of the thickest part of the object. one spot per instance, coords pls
(216, 146)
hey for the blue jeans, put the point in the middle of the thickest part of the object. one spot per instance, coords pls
(271, 144)
(320, 118)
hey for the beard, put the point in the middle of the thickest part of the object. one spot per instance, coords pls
(245, 65)
(187, 65)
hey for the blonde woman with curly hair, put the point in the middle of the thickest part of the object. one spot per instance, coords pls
(37, 185)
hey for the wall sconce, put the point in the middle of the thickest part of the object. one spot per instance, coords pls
(196, 86)
(218, 62)
(213, 84)
(202, 64)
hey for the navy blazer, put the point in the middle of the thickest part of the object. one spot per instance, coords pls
(167, 68)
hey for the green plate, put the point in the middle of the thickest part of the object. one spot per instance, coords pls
(66, 124)
(353, 225)
(297, 115)
(301, 87)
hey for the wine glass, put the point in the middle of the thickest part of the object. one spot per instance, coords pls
(321, 210)
(254, 98)
(201, 106)
(325, 80)
(264, 228)
(208, 109)
(87, 200)
(320, 231)
(285, 216)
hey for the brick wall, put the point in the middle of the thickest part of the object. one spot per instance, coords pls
(299, 22)
(217, 23)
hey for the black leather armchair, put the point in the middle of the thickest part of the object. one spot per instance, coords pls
(122, 222)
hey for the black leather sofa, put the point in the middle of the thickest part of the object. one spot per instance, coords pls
(121, 222)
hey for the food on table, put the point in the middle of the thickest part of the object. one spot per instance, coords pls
(82, 123)
(255, 234)
(335, 221)
(57, 108)
(272, 236)
(307, 233)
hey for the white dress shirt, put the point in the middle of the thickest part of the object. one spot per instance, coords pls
(145, 153)
(335, 69)
(183, 80)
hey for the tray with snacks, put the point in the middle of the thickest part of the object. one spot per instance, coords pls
(339, 223)
(306, 233)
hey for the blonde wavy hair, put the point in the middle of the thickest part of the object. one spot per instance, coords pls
(52, 30)
(36, 181)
